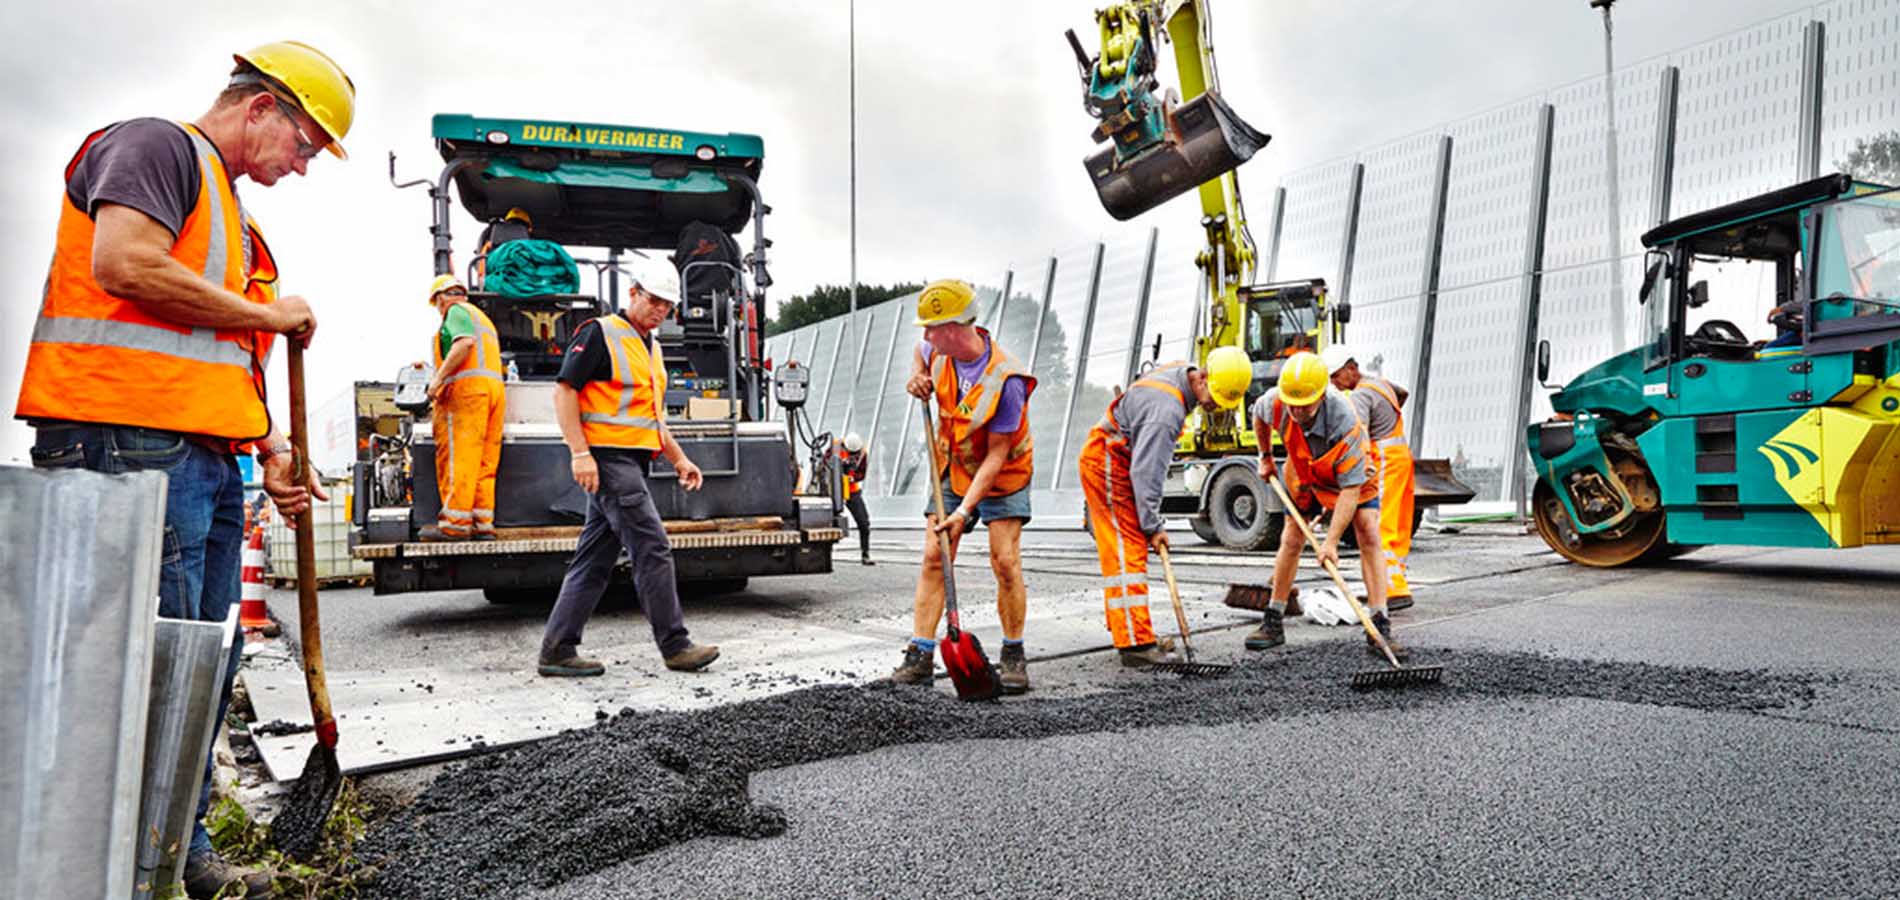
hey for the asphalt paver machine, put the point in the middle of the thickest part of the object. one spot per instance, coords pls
(603, 192)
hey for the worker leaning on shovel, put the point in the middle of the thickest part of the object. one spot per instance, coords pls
(469, 401)
(1377, 401)
(981, 394)
(157, 321)
(1330, 463)
(1124, 465)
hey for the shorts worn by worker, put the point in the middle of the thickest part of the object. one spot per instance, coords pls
(467, 428)
(620, 514)
(989, 509)
(1119, 541)
(198, 576)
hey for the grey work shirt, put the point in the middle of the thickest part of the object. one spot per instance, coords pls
(145, 164)
(1337, 420)
(1150, 420)
(1380, 416)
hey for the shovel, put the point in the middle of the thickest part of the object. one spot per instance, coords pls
(963, 657)
(1190, 667)
(1398, 675)
(298, 828)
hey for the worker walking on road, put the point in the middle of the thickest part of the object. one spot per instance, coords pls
(157, 322)
(610, 401)
(1377, 402)
(1330, 463)
(981, 394)
(851, 465)
(470, 400)
(1124, 467)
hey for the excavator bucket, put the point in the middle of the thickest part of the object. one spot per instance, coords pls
(1205, 141)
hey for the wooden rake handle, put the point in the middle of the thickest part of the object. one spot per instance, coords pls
(1174, 593)
(1365, 619)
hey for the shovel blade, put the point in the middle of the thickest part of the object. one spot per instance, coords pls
(1205, 140)
(298, 829)
(1409, 676)
(969, 669)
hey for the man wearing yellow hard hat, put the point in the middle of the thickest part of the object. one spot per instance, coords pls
(1124, 466)
(1330, 462)
(1378, 402)
(158, 315)
(981, 394)
(470, 400)
(515, 225)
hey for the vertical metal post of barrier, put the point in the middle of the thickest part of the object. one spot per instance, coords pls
(857, 365)
(1662, 179)
(837, 344)
(1350, 241)
(1081, 370)
(1141, 308)
(877, 407)
(1273, 236)
(1002, 306)
(1525, 351)
(1427, 322)
(1813, 68)
(1043, 315)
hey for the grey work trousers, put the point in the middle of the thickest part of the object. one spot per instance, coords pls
(861, 517)
(620, 514)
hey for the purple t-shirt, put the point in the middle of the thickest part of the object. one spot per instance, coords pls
(1009, 408)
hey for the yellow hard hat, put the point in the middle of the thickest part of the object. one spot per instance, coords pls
(320, 87)
(944, 301)
(1229, 372)
(520, 215)
(443, 283)
(1303, 380)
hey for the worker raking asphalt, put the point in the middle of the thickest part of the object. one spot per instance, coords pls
(539, 815)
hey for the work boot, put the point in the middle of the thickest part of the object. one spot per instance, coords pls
(207, 874)
(866, 560)
(485, 536)
(573, 665)
(1270, 634)
(433, 535)
(917, 668)
(1145, 655)
(1394, 604)
(1015, 670)
(693, 658)
(1384, 625)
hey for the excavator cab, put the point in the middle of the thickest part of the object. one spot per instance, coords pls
(1160, 148)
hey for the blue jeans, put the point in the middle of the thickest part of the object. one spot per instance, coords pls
(200, 568)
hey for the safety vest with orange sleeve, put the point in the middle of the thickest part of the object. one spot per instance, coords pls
(1140, 428)
(1322, 475)
(962, 435)
(103, 359)
(485, 362)
(629, 411)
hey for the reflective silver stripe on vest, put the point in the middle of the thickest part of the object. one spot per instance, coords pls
(201, 345)
(632, 421)
(219, 246)
(1398, 441)
(478, 372)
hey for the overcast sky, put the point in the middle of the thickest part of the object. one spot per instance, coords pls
(970, 129)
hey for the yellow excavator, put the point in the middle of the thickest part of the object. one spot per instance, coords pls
(1162, 145)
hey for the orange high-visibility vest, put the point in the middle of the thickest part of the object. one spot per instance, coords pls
(1321, 476)
(961, 436)
(1384, 389)
(629, 411)
(844, 473)
(103, 359)
(485, 362)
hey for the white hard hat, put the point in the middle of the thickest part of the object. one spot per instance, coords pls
(656, 276)
(853, 442)
(1336, 357)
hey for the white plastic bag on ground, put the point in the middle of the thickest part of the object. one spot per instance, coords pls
(1325, 606)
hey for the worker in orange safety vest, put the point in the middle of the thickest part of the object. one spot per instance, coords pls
(1124, 468)
(1378, 401)
(469, 395)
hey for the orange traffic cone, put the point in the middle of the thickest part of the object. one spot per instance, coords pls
(252, 614)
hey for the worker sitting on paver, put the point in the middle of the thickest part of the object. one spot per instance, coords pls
(1124, 465)
(851, 463)
(610, 401)
(469, 399)
(159, 310)
(1330, 462)
(516, 225)
(982, 399)
(1377, 402)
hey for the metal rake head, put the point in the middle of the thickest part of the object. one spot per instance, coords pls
(1409, 676)
(1189, 669)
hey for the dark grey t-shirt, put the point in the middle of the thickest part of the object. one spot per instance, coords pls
(145, 164)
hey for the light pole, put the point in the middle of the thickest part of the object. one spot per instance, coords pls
(1612, 182)
(854, 158)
